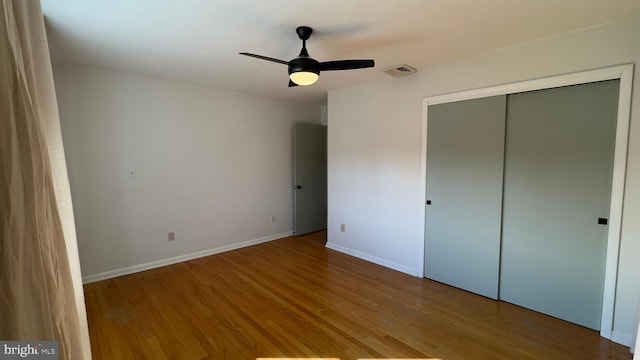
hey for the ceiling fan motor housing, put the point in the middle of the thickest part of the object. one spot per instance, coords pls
(306, 64)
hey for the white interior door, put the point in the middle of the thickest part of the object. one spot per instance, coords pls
(465, 147)
(557, 185)
(310, 177)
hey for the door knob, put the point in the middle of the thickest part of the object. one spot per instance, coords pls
(298, 187)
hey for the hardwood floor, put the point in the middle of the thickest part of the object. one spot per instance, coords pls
(295, 298)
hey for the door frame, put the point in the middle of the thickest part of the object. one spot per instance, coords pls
(622, 72)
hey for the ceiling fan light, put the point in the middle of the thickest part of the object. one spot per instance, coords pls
(304, 78)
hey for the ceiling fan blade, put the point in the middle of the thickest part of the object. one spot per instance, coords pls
(346, 64)
(292, 84)
(265, 58)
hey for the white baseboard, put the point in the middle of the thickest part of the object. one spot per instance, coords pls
(376, 260)
(177, 259)
(621, 338)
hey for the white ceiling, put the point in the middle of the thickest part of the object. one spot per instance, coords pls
(197, 41)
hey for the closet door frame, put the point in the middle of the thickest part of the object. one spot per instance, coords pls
(622, 72)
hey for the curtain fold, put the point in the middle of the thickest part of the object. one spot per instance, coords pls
(40, 283)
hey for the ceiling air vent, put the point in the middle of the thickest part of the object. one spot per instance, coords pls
(400, 70)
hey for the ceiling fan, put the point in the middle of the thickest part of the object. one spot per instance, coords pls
(305, 70)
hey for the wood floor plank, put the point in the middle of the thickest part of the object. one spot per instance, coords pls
(295, 298)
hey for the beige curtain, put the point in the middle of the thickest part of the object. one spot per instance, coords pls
(40, 284)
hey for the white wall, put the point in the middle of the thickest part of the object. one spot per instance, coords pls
(212, 166)
(374, 142)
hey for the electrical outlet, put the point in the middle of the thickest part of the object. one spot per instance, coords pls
(172, 236)
(131, 173)
(342, 228)
(273, 219)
